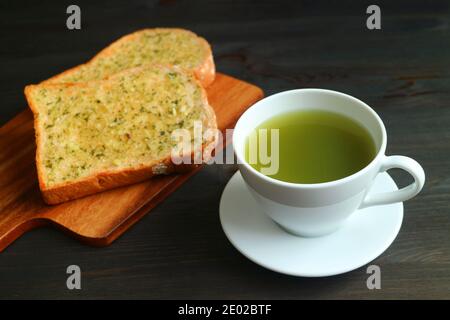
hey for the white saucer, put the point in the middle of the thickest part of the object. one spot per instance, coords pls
(366, 234)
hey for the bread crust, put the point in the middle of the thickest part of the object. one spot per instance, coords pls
(110, 179)
(205, 72)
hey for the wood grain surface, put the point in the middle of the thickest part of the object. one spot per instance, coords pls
(98, 219)
(179, 250)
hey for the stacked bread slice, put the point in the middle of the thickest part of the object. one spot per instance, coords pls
(111, 122)
(169, 46)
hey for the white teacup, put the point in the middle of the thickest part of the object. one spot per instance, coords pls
(312, 210)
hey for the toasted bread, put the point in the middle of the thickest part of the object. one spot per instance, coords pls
(101, 134)
(169, 46)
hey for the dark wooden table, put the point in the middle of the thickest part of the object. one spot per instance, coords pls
(179, 249)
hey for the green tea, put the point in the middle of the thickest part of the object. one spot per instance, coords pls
(313, 146)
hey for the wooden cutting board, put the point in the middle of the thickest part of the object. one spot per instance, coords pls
(98, 219)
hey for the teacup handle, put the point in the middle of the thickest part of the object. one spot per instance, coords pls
(409, 165)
